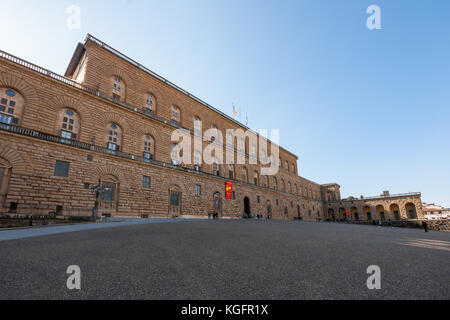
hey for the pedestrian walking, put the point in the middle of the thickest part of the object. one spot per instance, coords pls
(425, 226)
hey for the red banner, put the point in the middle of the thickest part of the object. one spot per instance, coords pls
(229, 190)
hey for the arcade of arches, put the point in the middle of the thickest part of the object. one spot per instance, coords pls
(390, 210)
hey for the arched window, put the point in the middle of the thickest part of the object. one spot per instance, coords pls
(11, 106)
(197, 126)
(296, 189)
(150, 103)
(293, 168)
(216, 168)
(287, 166)
(289, 188)
(280, 163)
(283, 187)
(231, 171)
(263, 156)
(118, 90)
(114, 137)
(265, 181)
(68, 124)
(244, 175)
(275, 185)
(255, 178)
(214, 133)
(197, 160)
(175, 155)
(253, 150)
(148, 147)
(241, 145)
(176, 115)
(230, 139)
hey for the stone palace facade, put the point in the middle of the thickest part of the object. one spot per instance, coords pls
(108, 123)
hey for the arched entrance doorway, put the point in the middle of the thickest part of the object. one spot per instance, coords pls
(411, 210)
(175, 197)
(247, 211)
(299, 214)
(394, 211)
(380, 212)
(217, 205)
(367, 213)
(342, 214)
(269, 210)
(5, 172)
(354, 213)
(331, 215)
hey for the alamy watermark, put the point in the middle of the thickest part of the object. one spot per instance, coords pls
(188, 150)
(74, 280)
(73, 21)
(374, 20)
(374, 281)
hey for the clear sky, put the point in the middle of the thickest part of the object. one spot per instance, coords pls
(368, 109)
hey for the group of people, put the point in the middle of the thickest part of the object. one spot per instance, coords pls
(213, 216)
(258, 216)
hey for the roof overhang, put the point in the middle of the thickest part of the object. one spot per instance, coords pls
(79, 51)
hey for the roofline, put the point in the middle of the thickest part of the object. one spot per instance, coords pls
(329, 184)
(122, 56)
(410, 194)
(76, 57)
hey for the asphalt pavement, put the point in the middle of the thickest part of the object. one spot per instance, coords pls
(235, 259)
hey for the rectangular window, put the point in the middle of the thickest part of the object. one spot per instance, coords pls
(233, 195)
(5, 119)
(148, 156)
(146, 182)
(113, 146)
(2, 108)
(108, 191)
(4, 101)
(174, 199)
(258, 199)
(66, 135)
(62, 169)
(198, 190)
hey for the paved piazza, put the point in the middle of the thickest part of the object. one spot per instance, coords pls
(234, 259)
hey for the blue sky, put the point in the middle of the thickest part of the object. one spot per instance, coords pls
(368, 109)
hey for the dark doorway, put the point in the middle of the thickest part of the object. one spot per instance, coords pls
(174, 203)
(217, 205)
(269, 210)
(247, 207)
